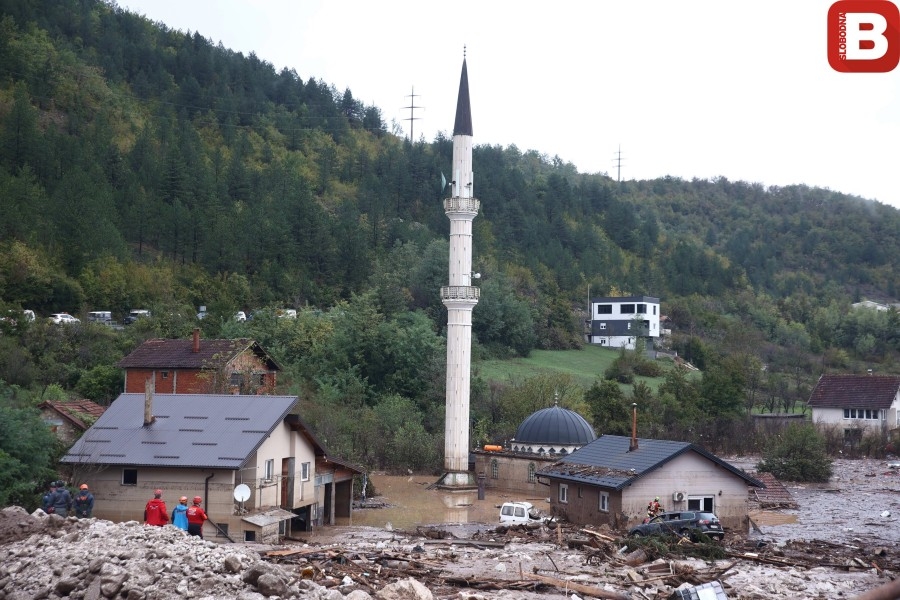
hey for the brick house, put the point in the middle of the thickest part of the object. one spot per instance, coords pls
(198, 366)
(69, 419)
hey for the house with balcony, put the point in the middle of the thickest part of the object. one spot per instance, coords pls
(199, 366)
(259, 468)
(617, 322)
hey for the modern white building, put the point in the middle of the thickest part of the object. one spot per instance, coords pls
(618, 321)
(460, 296)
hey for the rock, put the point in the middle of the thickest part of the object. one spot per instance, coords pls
(232, 563)
(406, 589)
(358, 595)
(66, 585)
(270, 584)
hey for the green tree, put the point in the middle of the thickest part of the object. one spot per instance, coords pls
(610, 409)
(797, 454)
(27, 450)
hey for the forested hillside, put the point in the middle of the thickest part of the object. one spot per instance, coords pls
(142, 167)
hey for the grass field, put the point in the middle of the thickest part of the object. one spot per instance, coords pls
(585, 366)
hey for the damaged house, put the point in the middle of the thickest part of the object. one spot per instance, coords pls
(612, 479)
(259, 469)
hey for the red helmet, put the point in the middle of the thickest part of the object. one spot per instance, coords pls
(197, 499)
(157, 492)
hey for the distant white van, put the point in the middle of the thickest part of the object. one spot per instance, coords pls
(100, 316)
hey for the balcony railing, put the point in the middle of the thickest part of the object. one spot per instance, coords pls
(460, 292)
(461, 205)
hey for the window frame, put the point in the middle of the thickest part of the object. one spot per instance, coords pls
(269, 469)
(305, 471)
(563, 493)
(603, 504)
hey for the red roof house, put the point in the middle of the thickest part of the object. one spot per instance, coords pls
(854, 402)
(69, 419)
(197, 366)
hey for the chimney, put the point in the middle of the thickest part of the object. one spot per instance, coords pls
(148, 402)
(196, 340)
(634, 445)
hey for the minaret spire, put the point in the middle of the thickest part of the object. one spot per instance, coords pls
(460, 296)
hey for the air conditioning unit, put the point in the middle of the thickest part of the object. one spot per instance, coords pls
(679, 496)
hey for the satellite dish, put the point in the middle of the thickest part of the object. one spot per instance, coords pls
(242, 492)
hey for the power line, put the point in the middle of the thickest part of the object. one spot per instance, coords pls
(412, 108)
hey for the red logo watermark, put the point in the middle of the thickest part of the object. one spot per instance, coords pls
(863, 36)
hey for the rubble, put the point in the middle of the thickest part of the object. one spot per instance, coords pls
(47, 556)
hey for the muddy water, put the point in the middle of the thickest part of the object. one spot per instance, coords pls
(410, 504)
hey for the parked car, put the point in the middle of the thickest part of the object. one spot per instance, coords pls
(514, 513)
(685, 523)
(100, 316)
(240, 316)
(63, 318)
(134, 314)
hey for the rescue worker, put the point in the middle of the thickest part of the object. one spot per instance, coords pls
(653, 508)
(84, 502)
(155, 512)
(47, 499)
(62, 500)
(196, 516)
(179, 514)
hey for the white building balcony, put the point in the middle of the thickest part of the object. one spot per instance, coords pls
(468, 293)
(462, 205)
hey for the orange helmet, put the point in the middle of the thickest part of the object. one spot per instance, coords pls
(183, 499)
(197, 499)
(83, 486)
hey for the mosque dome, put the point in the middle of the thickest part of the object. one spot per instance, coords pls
(553, 430)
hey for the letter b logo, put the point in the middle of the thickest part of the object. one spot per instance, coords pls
(863, 36)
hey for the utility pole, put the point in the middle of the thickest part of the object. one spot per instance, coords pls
(618, 162)
(412, 109)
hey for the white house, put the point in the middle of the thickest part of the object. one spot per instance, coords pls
(617, 321)
(856, 403)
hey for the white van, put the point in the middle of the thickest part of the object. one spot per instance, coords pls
(513, 513)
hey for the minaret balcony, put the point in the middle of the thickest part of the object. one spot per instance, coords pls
(461, 205)
(468, 293)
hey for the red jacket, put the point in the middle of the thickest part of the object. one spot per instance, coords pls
(196, 515)
(155, 513)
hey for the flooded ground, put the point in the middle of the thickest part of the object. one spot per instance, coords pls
(410, 504)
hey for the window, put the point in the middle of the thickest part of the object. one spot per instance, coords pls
(564, 493)
(260, 379)
(235, 379)
(249, 536)
(165, 374)
(654, 309)
(531, 469)
(626, 309)
(604, 309)
(304, 472)
(129, 476)
(269, 470)
(579, 491)
(604, 502)
(642, 309)
(495, 469)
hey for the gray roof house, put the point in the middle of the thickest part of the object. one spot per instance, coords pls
(244, 455)
(612, 479)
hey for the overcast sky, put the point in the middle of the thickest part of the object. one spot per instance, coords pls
(689, 89)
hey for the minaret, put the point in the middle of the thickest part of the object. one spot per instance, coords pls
(460, 296)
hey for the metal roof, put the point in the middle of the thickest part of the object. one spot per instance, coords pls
(608, 462)
(855, 391)
(554, 426)
(189, 430)
(463, 123)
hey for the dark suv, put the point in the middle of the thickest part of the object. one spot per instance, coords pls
(684, 523)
